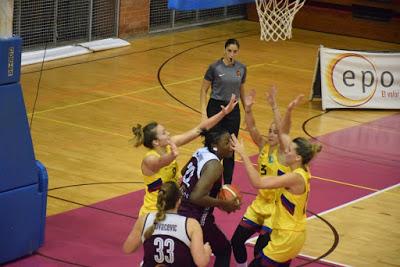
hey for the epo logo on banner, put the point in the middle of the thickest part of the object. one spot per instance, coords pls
(352, 80)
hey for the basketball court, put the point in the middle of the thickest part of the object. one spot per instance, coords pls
(85, 107)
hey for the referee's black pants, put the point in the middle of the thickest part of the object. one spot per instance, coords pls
(231, 123)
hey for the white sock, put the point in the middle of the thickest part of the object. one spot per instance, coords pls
(244, 264)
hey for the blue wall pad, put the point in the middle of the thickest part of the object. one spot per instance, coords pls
(22, 222)
(10, 55)
(23, 180)
(17, 159)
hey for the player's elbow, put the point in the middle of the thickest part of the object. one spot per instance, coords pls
(129, 247)
(256, 182)
(126, 249)
(257, 185)
(195, 198)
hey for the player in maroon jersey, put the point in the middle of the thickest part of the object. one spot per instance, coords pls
(201, 182)
(168, 239)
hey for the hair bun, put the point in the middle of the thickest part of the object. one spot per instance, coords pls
(137, 129)
(138, 135)
(316, 148)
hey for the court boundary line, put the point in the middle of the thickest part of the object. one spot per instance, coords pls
(323, 260)
(344, 183)
(354, 201)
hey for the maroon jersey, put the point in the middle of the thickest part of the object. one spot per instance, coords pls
(189, 181)
(169, 245)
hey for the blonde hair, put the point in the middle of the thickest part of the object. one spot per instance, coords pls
(144, 136)
(306, 149)
(167, 198)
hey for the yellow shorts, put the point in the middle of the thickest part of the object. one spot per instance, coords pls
(260, 213)
(284, 245)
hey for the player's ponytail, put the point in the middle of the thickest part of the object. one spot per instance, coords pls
(167, 198)
(138, 135)
(315, 148)
(144, 136)
(306, 149)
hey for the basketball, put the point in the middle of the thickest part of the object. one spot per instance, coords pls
(230, 191)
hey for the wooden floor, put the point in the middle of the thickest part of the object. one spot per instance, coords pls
(87, 105)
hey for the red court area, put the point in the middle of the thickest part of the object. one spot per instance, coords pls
(356, 162)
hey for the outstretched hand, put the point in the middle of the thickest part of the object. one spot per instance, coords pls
(237, 145)
(250, 99)
(295, 102)
(271, 96)
(232, 103)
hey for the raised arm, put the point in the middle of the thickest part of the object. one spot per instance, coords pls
(288, 180)
(271, 99)
(200, 252)
(253, 174)
(257, 138)
(287, 119)
(188, 136)
(133, 241)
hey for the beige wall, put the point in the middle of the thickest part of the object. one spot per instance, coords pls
(134, 17)
(6, 11)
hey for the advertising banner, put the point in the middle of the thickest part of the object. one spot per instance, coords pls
(359, 79)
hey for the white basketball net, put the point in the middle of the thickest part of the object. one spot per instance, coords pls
(276, 17)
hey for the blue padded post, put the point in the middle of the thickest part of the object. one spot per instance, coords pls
(23, 180)
(17, 159)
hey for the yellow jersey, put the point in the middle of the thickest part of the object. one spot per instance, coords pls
(290, 210)
(269, 165)
(153, 183)
(262, 208)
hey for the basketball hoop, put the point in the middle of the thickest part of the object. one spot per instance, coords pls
(276, 17)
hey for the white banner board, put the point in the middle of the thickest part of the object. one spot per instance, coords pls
(359, 79)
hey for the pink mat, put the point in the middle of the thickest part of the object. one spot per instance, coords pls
(367, 155)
